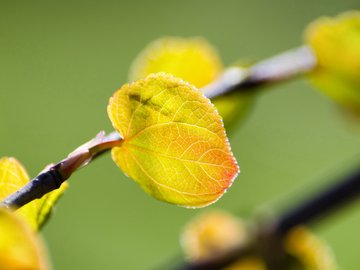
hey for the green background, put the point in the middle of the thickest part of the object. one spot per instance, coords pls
(60, 61)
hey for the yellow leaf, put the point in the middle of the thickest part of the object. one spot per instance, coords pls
(194, 60)
(212, 234)
(336, 44)
(12, 177)
(174, 143)
(20, 248)
(215, 233)
(309, 249)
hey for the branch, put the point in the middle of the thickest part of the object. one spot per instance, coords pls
(311, 210)
(275, 69)
(53, 176)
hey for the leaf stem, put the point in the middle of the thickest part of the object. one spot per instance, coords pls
(52, 177)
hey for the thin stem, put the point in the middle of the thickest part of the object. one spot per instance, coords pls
(55, 175)
(275, 69)
(320, 204)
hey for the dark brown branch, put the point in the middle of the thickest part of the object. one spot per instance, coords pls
(55, 175)
(317, 206)
(275, 69)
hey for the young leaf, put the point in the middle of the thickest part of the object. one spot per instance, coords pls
(212, 234)
(336, 44)
(20, 248)
(194, 60)
(310, 250)
(174, 144)
(12, 177)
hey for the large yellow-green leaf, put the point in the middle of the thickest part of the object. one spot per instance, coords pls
(194, 60)
(20, 248)
(12, 177)
(174, 144)
(336, 45)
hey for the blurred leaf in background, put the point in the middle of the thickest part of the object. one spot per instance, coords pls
(196, 61)
(336, 44)
(192, 59)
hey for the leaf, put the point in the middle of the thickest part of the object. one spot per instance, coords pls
(336, 45)
(212, 234)
(20, 248)
(13, 176)
(310, 250)
(194, 60)
(234, 108)
(216, 233)
(174, 146)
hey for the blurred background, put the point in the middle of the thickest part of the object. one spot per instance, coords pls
(60, 61)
